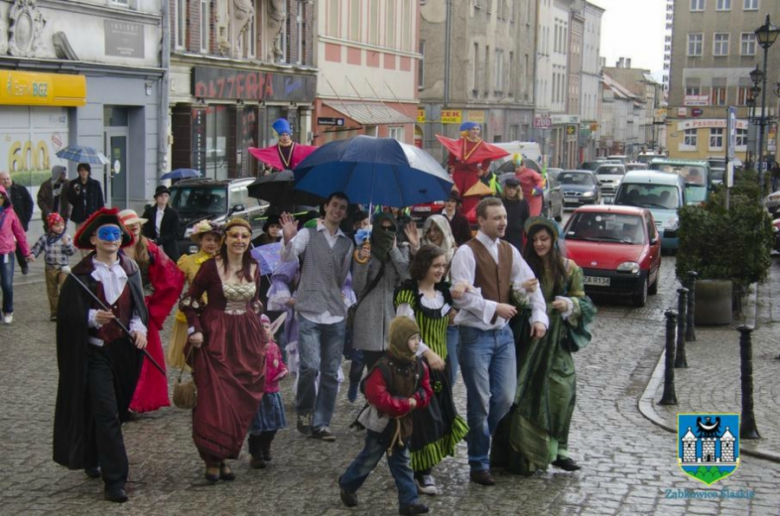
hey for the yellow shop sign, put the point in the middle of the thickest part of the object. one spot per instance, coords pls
(451, 116)
(42, 89)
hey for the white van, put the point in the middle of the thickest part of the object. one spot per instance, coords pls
(529, 150)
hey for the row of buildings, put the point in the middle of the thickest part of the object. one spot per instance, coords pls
(165, 84)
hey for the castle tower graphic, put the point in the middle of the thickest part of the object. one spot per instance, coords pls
(689, 446)
(727, 446)
(708, 450)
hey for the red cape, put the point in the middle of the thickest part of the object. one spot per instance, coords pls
(270, 155)
(485, 151)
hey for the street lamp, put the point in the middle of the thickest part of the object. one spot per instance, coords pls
(766, 36)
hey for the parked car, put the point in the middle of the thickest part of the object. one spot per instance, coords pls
(609, 176)
(663, 194)
(695, 173)
(618, 158)
(579, 187)
(635, 166)
(553, 198)
(553, 172)
(647, 157)
(216, 200)
(618, 248)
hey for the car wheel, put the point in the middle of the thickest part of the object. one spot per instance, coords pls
(653, 290)
(640, 298)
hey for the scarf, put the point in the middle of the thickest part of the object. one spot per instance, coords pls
(381, 240)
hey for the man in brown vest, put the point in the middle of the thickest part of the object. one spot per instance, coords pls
(487, 346)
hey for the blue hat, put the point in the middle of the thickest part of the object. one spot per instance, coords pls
(282, 126)
(467, 126)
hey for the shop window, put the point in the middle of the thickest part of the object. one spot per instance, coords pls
(742, 139)
(217, 131)
(690, 138)
(716, 138)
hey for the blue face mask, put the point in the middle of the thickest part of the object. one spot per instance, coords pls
(109, 233)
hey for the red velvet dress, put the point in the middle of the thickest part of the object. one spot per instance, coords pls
(229, 368)
(162, 282)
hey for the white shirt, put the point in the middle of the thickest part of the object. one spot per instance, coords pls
(478, 312)
(293, 249)
(158, 219)
(114, 280)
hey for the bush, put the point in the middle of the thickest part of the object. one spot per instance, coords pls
(30, 178)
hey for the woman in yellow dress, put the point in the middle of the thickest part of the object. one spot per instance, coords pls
(208, 235)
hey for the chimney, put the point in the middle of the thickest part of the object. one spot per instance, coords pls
(620, 63)
(628, 62)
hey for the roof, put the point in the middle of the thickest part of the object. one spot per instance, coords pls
(611, 208)
(205, 181)
(673, 161)
(369, 113)
(652, 176)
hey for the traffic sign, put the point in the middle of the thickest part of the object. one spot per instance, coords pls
(542, 122)
(696, 112)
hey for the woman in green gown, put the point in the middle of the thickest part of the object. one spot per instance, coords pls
(536, 432)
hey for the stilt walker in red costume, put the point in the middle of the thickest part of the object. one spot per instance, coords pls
(285, 155)
(469, 158)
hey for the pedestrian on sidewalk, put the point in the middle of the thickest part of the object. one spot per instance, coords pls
(162, 282)
(11, 237)
(326, 255)
(396, 386)
(98, 363)
(57, 248)
(53, 196)
(487, 346)
(536, 433)
(270, 416)
(23, 205)
(85, 195)
(162, 223)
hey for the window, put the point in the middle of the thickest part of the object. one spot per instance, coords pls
(125, 3)
(407, 27)
(718, 97)
(750, 5)
(692, 90)
(747, 44)
(742, 137)
(720, 44)
(284, 57)
(249, 37)
(300, 30)
(743, 94)
(511, 75)
(205, 25)
(498, 72)
(697, 5)
(390, 25)
(181, 23)
(421, 66)
(690, 137)
(716, 138)
(723, 5)
(354, 20)
(373, 22)
(487, 70)
(396, 133)
(475, 78)
(333, 17)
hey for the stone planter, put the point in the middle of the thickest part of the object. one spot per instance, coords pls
(713, 302)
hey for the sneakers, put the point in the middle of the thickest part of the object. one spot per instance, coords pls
(426, 485)
(323, 434)
(416, 508)
(304, 424)
(8, 318)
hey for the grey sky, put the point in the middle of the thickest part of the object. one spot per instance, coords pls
(635, 29)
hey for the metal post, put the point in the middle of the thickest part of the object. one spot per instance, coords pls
(747, 429)
(682, 309)
(669, 397)
(690, 327)
(762, 125)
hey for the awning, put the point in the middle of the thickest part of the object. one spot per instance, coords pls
(370, 113)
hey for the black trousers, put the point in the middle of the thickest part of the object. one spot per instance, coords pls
(106, 442)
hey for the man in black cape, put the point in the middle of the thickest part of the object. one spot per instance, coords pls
(99, 364)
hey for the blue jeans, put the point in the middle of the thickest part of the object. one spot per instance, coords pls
(487, 360)
(319, 347)
(453, 343)
(366, 462)
(7, 281)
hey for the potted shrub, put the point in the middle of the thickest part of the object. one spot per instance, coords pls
(729, 249)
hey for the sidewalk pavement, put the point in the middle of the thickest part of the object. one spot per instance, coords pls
(711, 383)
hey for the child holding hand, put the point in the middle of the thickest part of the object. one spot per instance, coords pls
(57, 248)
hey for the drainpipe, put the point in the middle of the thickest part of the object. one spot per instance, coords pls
(162, 106)
(447, 44)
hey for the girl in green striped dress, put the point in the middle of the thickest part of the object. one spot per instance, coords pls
(426, 298)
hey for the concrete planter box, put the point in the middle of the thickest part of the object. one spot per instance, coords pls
(713, 302)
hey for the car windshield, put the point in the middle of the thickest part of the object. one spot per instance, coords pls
(695, 194)
(199, 199)
(575, 178)
(691, 174)
(591, 165)
(610, 170)
(648, 196)
(606, 227)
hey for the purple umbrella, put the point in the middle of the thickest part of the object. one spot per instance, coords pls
(267, 256)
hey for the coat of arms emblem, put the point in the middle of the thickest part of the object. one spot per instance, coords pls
(708, 445)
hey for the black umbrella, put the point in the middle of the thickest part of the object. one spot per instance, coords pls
(277, 188)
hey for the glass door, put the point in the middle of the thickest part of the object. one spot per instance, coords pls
(116, 144)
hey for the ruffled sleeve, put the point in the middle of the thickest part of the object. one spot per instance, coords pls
(583, 310)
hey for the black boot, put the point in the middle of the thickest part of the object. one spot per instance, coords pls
(256, 451)
(266, 438)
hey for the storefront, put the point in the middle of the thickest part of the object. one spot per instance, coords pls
(339, 120)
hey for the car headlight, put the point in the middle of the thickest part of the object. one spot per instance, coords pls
(672, 223)
(631, 267)
(188, 232)
(587, 194)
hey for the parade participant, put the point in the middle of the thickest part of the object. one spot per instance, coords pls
(98, 363)
(546, 385)
(532, 184)
(517, 212)
(229, 356)
(209, 239)
(162, 223)
(426, 298)
(459, 224)
(377, 268)
(84, 194)
(23, 205)
(469, 158)
(11, 236)
(162, 283)
(397, 386)
(53, 195)
(56, 247)
(487, 348)
(286, 154)
(272, 231)
(270, 417)
(326, 253)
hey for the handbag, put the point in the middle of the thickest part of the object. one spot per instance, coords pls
(185, 394)
(371, 419)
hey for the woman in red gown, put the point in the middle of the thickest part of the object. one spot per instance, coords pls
(228, 350)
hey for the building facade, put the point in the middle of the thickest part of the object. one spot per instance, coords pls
(713, 52)
(83, 73)
(590, 85)
(236, 66)
(477, 65)
(622, 115)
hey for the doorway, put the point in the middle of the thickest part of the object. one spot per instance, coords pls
(117, 147)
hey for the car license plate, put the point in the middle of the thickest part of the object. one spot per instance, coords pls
(422, 208)
(596, 281)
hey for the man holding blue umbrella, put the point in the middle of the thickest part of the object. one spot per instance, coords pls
(326, 255)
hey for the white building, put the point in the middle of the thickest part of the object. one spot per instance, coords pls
(590, 85)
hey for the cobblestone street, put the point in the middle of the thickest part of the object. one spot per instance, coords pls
(629, 464)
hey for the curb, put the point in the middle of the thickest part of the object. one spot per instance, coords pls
(646, 403)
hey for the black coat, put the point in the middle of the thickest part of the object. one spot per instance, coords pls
(73, 425)
(517, 212)
(169, 230)
(22, 202)
(85, 199)
(459, 224)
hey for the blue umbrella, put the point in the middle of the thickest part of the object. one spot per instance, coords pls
(180, 173)
(267, 256)
(379, 171)
(83, 154)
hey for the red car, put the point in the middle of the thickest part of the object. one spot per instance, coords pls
(618, 248)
